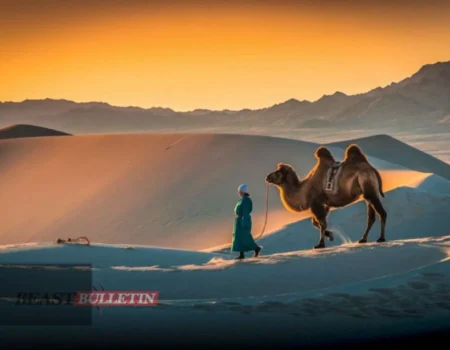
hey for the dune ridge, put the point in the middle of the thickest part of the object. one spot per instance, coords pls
(24, 130)
(157, 189)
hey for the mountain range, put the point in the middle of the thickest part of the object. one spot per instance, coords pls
(419, 101)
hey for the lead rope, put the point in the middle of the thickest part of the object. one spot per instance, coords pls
(267, 213)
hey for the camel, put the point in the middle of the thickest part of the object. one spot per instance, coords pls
(319, 191)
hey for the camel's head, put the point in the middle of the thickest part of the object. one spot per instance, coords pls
(279, 176)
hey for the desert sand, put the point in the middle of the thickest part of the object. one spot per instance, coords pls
(171, 190)
(158, 209)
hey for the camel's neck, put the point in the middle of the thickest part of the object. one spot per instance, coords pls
(293, 195)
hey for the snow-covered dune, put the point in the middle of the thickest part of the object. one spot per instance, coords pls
(412, 213)
(432, 183)
(158, 210)
(179, 274)
(170, 190)
(396, 287)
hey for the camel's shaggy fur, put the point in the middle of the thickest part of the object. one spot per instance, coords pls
(356, 177)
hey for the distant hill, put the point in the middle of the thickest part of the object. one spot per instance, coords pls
(20, 130)
(421, 100)
(394, 151)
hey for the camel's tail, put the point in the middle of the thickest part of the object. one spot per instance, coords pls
(380, 182)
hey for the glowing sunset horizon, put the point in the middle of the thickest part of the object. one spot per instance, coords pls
(193, 54)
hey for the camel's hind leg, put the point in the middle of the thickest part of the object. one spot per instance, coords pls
(375, 202)
(370, 221)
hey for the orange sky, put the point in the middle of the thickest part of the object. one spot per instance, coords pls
(192, 54)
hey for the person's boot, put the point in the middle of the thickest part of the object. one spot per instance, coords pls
(257, 250)
(241, 256)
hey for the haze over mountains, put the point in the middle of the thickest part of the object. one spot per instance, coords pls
(419, 101)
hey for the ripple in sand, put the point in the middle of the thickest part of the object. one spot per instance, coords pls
(419, 285)
(362, 300)
(443, 286)
(389, 312)
(204, 307)
(384, 291)
(443, 305)
(433, 275)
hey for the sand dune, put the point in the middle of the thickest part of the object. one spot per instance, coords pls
(159, 210)
(412, 213)
(341, 289)
(22, 130)
(168, 190)
(392, 150)
(114, 266)
(432, 184)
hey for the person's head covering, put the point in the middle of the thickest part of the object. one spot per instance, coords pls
(243, 188)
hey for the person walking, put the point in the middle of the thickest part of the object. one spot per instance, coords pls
(242, 238)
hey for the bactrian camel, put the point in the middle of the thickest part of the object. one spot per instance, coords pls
(320, 190)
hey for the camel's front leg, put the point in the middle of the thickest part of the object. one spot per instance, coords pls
(320, 215)
(328, 233)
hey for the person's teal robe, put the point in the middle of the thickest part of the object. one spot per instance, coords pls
(242, 237)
